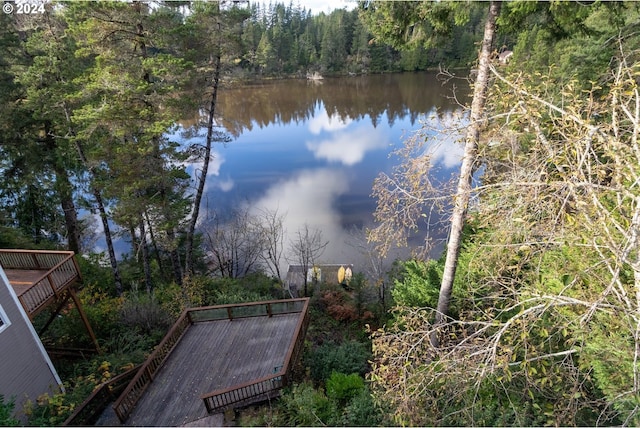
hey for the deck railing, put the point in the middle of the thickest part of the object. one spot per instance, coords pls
(32, 259)
(60, 270)
(125, 404)
(247, 310)
(90, 410)
(226, 398)
(132, 394)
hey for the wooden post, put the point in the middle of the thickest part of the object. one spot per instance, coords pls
(53, 316)
(35, 260)
(77, 267)
(52, 285)
(229, 314)
(85, 320)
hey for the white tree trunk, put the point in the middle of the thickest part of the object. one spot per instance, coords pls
(463, 192)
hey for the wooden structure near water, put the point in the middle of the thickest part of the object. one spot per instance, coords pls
(216, 358)
(315, 274)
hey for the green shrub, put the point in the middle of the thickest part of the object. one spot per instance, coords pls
(266, 286)
(237, 296)
(94, 273)
(252, 288)
(175, 298)
(68, 330)
(131, 344)
(362, 411)
(6, 413)
(306, 406)
(419, 285)
(342, 387)
(143, 313)
(348, 357)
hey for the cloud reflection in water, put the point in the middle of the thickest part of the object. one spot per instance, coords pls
(214, 181)
(308, 197)
(444, 145)
(321, 121)
(349, 147)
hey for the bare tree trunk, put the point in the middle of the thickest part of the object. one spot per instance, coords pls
(188, 270)
(175, 257)
(272, 226)
(135, 245)
(154, 244)
(64, 189)
(307, 247)
(101, 209)
(109, 240)
(463, 192)
(69, 208)
(146, 259)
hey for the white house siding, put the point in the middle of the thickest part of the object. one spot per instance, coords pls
(26, 372)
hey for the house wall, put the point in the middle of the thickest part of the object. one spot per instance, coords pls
(26, 371)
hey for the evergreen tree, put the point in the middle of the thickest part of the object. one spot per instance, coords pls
(126, 108)
(36, 150)
(333, 52)
(265, 55)
(359, 49)
(224, 46)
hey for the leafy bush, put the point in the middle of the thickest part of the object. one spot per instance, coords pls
(342, 387)
(68, 330)
(348, 357)
(237, 296)
(81, 379)
(94, 273)
(362, 411)
(6, 413)
(174, 298)
(102, 309)
(419, 284)
(252, 288)
(306, 406)
(339, 306)
(131, 345)
(143, 313)
(49, 410)
(347, 403)
(262, 284)
(10, 237)
(345, 306)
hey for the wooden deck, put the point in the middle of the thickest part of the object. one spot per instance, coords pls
(213, 355)
(215, 358)
(39, 278)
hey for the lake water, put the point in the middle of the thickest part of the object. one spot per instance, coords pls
(312, 149)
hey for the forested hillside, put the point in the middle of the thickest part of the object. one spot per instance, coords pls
(281, 39)
(530, 317)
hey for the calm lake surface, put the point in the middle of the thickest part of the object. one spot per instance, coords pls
(312, 149)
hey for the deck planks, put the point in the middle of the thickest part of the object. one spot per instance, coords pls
(35, 295)
(213, 355)
(22, 279)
